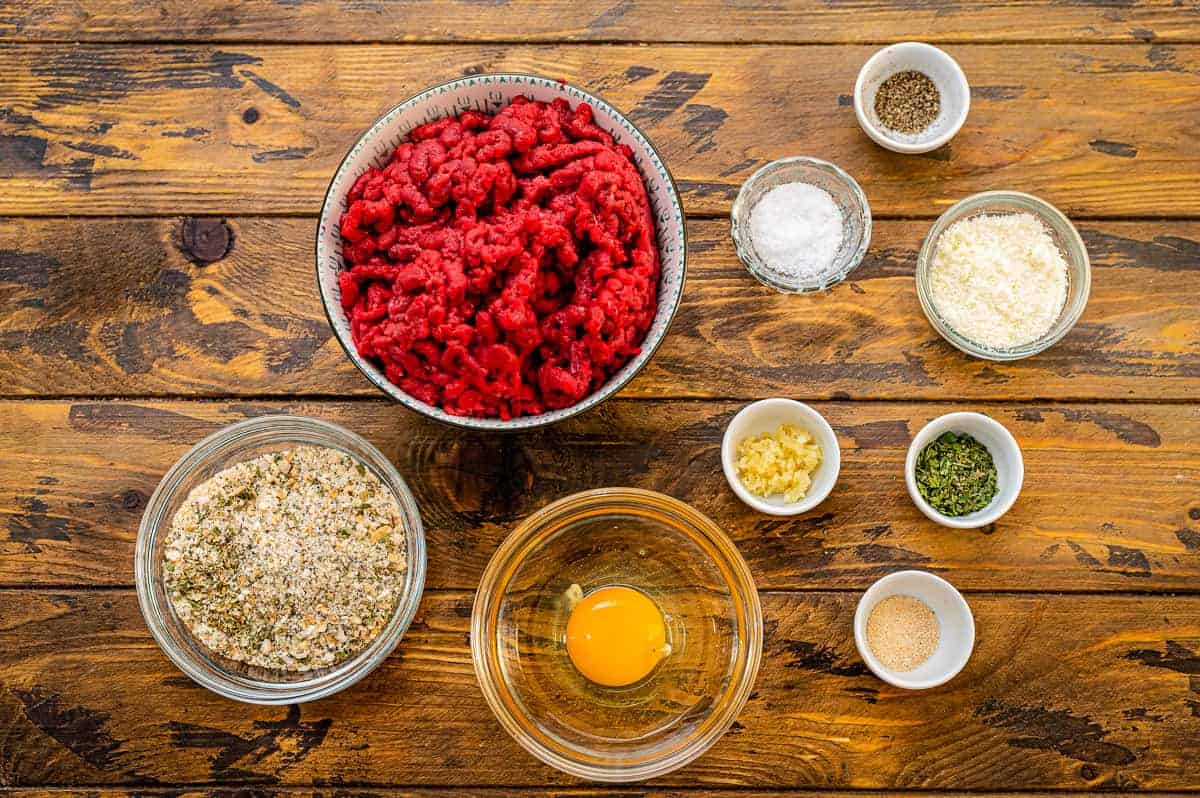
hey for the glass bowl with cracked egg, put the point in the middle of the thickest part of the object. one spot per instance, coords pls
(616, 634)
(238, 443)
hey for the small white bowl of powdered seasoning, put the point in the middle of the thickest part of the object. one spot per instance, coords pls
(280, 560)
(801, 225)
(914, 630)
(1003, 275)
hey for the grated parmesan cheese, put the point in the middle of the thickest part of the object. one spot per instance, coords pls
(998, 280)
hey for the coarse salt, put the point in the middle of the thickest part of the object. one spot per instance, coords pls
(998, 280)
(797, 230)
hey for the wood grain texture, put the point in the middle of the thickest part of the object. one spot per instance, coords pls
(1110, 500)
(1102, 131)
(118, 307)
(1086, 675)
(610, 791)
(601, 21)
(88, 698)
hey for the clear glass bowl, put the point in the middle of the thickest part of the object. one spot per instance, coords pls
(235, 443)
(856, 220)
(686, 565)
(1066, 237)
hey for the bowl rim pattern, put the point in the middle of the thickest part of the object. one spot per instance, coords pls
(615, 383)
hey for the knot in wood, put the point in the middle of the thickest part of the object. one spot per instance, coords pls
(205, 241)
(132, 499)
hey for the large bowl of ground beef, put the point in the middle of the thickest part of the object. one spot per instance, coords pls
(501, 252)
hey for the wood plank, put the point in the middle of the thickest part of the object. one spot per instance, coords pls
(600, 20)
(114, 307)
(109, 130)
(89, 699)
(1109, 502)
(610, 791)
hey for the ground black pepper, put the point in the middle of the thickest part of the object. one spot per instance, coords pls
(908, 102)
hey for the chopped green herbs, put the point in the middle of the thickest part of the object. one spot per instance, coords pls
(956, 475)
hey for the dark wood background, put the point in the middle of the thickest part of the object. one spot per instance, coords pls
(131, 130)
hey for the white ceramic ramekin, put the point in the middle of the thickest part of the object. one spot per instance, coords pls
(942, 70)
(766, 416)
(1006, 454)
(956, 628)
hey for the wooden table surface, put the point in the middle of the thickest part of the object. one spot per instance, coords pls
(128, 128)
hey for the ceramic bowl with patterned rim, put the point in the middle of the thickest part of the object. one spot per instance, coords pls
(490, 93)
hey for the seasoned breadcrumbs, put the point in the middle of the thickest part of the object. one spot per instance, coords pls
(291, 561)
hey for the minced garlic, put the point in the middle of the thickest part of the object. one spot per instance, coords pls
(777, 463)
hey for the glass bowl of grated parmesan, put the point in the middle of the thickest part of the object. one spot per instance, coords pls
(280, 560)
(1003, 275)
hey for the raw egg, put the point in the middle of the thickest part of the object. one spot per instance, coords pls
(616, 635)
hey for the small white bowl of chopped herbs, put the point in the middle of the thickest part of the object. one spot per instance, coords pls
(780, 456)
(964, 470)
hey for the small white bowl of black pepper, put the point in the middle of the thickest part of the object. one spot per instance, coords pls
(911, 97)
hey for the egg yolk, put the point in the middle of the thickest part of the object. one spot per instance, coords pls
(615, 636)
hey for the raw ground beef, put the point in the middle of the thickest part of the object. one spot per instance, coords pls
(501, 266)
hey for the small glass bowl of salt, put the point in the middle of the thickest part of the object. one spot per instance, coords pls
(801, 225)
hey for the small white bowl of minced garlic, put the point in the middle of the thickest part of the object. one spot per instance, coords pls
(914, 630)
(780, 456)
